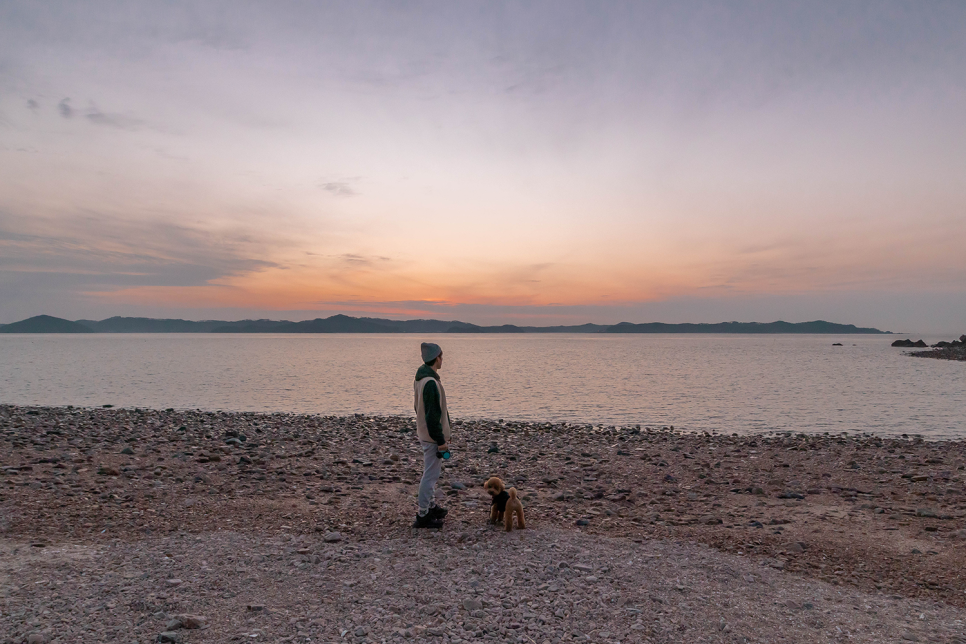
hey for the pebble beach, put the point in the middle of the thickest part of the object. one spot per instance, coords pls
(136, 525)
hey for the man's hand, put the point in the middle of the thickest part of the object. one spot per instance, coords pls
(442, 448)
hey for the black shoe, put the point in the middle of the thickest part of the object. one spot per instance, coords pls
(427, 521)
(438, 512)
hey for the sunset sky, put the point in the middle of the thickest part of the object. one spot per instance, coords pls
(540, 163)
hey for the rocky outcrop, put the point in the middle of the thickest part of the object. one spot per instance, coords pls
(907, 343)
(955, 350)
(961, 342)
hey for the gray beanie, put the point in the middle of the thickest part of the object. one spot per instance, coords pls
(430, 351)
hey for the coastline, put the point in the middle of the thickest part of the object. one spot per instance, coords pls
(882, 517)
(942, 353)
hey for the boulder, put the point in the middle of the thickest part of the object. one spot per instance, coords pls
(907, 343)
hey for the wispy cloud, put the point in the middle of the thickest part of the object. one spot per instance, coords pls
(64, 108)
(105, 253)
(354, 260)
(339, 188)
(119, 121)
(94, 115)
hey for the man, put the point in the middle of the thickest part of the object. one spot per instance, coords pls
(433, 430)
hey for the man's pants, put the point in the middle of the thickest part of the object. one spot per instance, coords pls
(432, 466)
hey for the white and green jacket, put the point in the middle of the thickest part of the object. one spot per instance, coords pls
(429, 402)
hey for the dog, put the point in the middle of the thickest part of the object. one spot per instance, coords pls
(505, 504)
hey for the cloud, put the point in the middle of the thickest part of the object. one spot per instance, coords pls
(105, 253)
(95, 115)
(33, 105)
(339, 188)
(354, 260)
(65, 109)
(119, 121)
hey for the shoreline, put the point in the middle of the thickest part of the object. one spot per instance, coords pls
(564, 425)
(884, 516)
(957, 354)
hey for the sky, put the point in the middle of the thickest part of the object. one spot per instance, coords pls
(528, 162)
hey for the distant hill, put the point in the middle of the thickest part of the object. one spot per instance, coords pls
(346, 324)
(334, 324)
(818, 326)
(151, 325)
(45, 324)
(463, 327)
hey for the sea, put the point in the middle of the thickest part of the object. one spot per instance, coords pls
(714, 383)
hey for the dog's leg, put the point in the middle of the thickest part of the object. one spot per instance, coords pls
(494, 513)
(508, 520)
(520, 524)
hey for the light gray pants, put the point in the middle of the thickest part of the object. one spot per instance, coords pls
(432, 467)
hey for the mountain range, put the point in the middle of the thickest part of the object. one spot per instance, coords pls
(346, 324)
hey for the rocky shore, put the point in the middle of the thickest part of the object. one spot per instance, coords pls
(134, 525)
(954, 350)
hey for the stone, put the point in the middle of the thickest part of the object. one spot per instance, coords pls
(128, 451)
(583, 567)
(255, 608)
(192, 621)
(36, 638)
(925, 512)
(795, 548)
(172, 582)
(169, 637)
(332, 537)
(777, 564)
(361, 631)
(471, 604)
(172, 624)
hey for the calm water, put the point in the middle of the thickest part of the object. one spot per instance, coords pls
(696, 382)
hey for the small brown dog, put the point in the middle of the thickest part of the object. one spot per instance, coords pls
(505, 504)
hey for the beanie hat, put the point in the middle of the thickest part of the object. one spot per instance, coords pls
(429, 351)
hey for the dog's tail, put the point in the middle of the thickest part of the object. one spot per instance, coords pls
(513, 494)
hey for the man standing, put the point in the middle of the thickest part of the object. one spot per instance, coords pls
(432, 429)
